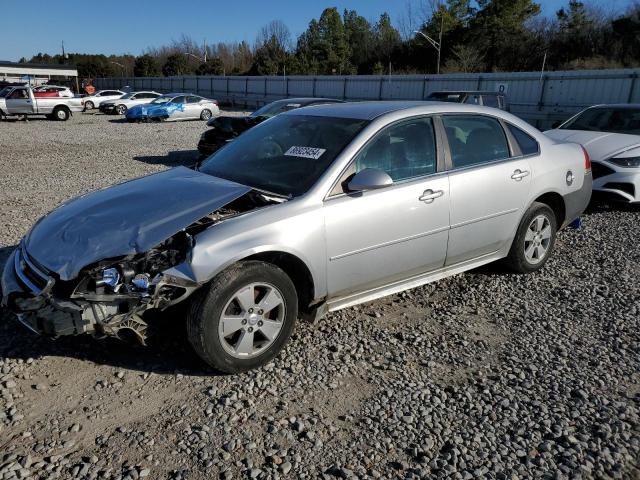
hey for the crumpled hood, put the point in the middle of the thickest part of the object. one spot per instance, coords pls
(125, 219)
(600, 145)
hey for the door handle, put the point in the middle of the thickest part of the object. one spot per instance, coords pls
(429, 196)
(519, 174)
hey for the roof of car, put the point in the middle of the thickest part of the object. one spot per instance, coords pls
(616, 105)
(307, 100)
(474, 92)
(371, 110)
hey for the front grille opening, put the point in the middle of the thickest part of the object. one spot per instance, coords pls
(599, 170)
(625, 187)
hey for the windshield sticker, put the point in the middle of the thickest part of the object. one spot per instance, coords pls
(305, 152)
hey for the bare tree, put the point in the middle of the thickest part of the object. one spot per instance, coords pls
(275, 29)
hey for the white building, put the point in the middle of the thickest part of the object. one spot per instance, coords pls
(37, 74)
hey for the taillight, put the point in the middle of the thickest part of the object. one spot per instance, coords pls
(587, 160)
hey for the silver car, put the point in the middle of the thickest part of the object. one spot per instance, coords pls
(314, 210)
(131, 99)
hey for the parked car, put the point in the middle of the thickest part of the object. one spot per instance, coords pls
(487, 99)
(93, 101)
(611, 135)
(226, 128)
(125, 102)
(174, 106)
(53, 90)
(22, 101)
(314, 210)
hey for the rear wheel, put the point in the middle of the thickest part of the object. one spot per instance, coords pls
(205, 114)
(121, 109)
(534, 240)
(244, 318)
(61, 114)
(88, 105)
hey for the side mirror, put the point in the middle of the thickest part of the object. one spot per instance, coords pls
(556, 124)
(369, 179)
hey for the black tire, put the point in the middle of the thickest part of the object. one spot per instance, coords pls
(88, 105)
(61, 114)
(205, 114)
(120, 109)
(517, 260)
(203, 319)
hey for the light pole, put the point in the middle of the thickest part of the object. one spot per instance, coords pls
(435, 44)
(121, 66)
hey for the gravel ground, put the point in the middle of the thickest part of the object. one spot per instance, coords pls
(484, 375)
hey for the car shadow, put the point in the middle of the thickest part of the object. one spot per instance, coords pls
(168, 351)
(600, 204)
(176, 158)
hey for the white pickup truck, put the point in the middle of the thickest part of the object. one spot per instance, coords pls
(21, 101)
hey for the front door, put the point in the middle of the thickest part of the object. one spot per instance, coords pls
(381, 236)
(19, 101)
(489, 187)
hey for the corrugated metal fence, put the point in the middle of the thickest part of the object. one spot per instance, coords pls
(539, 99)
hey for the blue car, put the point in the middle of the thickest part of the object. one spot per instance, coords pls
(174, 106)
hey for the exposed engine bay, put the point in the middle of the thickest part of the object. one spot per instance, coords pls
(110, 297)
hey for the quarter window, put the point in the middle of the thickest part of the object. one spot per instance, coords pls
(475, 139)
(490, 101)
(404, 150)
(528, 144)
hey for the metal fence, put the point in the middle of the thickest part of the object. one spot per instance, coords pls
(540, 99)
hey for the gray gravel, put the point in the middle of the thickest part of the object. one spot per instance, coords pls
(484, 375)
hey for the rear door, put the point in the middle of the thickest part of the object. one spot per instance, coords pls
(19, 101)
(193, 107)
(383, 236)
(489, 185)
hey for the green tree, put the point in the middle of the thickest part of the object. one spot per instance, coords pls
(361, 39)
(213, 66)
(176, 64)
(497, 25)
(146, 66)
(387, 38)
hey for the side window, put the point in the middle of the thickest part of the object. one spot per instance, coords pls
(180, 99)
(20, 94)
(193, 99)
(404, 150)
(490, 101)
(472, 99)
(528, 144)
(475, 139)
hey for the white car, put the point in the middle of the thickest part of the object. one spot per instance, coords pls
(93, 101)
(124, 103)
(611, 136)
(63, 92)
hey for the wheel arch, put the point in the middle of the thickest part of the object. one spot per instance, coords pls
(296, 269)
(555, 202)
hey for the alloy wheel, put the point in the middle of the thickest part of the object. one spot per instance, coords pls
(251, 320)
(537, 239)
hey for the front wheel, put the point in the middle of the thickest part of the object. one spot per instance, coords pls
(121, 109)
(534, 239)
(205, 114)
(244, 318)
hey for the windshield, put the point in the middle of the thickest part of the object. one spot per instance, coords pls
(274, 108)
(4, 91)
(285, 155)
(606, 119)
(162, 100)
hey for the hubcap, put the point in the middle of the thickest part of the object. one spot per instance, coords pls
(251, 320)
(61, 114)
(537, 239)
(206, 114)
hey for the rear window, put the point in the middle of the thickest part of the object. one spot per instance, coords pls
(528, 144)
(475, 139)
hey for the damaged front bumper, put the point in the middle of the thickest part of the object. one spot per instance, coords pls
(30, 292)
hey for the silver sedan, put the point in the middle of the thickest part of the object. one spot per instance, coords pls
(313, 210)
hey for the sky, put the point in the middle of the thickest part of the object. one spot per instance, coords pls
(131, 26)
